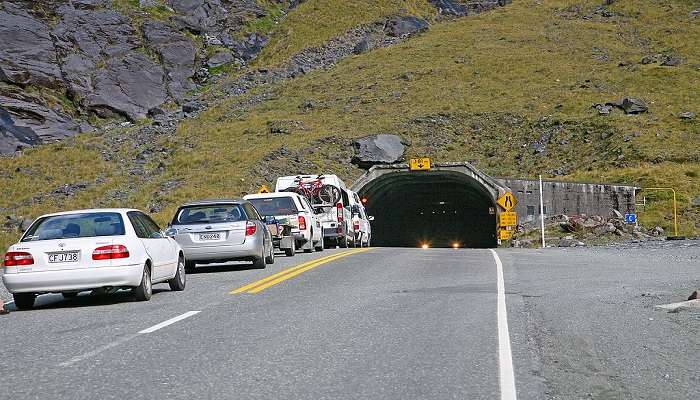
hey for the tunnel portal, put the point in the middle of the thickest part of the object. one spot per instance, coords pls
(450, 205)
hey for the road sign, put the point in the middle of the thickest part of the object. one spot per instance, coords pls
(504, 234)
(507, 201)
(264, 189)
(420, 164)
(508, 218)
(631, 218)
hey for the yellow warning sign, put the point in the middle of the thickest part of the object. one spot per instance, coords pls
(507, 201)
(420, 164)
(264, 189)
(504, 234)
(508, 218)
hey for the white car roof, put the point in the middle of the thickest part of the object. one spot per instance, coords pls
(270, 195)
(91, 210)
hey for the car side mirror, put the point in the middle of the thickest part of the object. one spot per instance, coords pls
(370, 218)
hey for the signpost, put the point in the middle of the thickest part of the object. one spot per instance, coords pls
(420, 164)
(264, 189)
(508, 218)
(631, 218)
(507, 201)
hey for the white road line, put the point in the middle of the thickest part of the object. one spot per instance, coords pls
(169, 322)
(125, 339)
(97, 351)
(505, 357)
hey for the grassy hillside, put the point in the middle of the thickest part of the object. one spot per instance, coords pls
(510, 91)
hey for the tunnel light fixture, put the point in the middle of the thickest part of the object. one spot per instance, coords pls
(442, 203)
(425, 246)
(455, 245)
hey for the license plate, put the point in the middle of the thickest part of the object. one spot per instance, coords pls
(209, 236)
(71, 256)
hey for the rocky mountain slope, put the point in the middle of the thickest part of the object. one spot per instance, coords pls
(528, 88)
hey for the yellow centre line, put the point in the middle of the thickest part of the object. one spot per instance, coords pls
(274, 279)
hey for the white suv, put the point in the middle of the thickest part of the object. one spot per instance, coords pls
(295, 210)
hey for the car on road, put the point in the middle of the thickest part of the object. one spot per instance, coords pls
(75, 251)
(295, 209)
(361, 222)
(336, 218)
(219, 231)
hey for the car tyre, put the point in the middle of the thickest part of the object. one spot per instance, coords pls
(271, 258)
(177, 284)
(144, 290)
(320, 245)
(190, 267)
(259, 262)
(343, 243)
(24, 301)
(291, 251)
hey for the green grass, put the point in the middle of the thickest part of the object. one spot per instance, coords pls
(482, 89)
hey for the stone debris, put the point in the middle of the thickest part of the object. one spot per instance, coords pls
(378, 149)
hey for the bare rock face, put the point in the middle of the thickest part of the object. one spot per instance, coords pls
(27, 54)
(131, 86)
(378, 149)
(177, 54)
(24, 123)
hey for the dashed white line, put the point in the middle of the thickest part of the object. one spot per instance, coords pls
(169, 322)
(505, 356)
(126, 338)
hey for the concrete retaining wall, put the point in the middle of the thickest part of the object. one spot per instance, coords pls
(569, 198)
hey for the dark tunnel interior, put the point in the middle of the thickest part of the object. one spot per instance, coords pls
(436, 208)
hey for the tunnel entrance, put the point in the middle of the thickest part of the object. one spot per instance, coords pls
(447, 206)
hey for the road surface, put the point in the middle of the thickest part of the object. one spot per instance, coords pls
(379, 323)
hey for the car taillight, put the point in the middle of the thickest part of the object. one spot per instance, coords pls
(250, 228)
(302, 223)
(110, 252)
(356, 225)
(339, 207)
(17, 258)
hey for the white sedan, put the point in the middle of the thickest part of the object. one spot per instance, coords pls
(74, 251)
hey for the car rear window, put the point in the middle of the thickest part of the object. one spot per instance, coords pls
(209, 214)
(75, 226)
(275, 206)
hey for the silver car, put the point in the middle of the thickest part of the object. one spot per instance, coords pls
(217, 231)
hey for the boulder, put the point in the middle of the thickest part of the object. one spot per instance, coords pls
(361, 47)
(248, 48)
(631, 105)
(378, 149)
(687, 115)
(405, 26)
(177, 53)
(671, 60)
(603, 109)
(221, 58)
(27, 53)
(449, 7)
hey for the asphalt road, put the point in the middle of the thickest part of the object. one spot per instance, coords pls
(383, 323)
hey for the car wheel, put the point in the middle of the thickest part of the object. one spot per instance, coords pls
(321, 244)
(190, 267)
(291, 251)
(259, 262)
(24, 301)
(69, 295)
(178, 282)
(144, 290)
(343, 243)
(271, 258)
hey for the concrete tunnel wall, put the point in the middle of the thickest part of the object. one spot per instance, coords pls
(451, 203)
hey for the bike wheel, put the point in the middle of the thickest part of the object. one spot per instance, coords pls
(302, 192)
(329, 194)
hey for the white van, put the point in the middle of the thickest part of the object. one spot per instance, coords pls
(295, 210)
(336, 218)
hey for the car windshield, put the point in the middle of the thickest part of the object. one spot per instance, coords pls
(209, 214)
(275, 206)
(75, 226)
